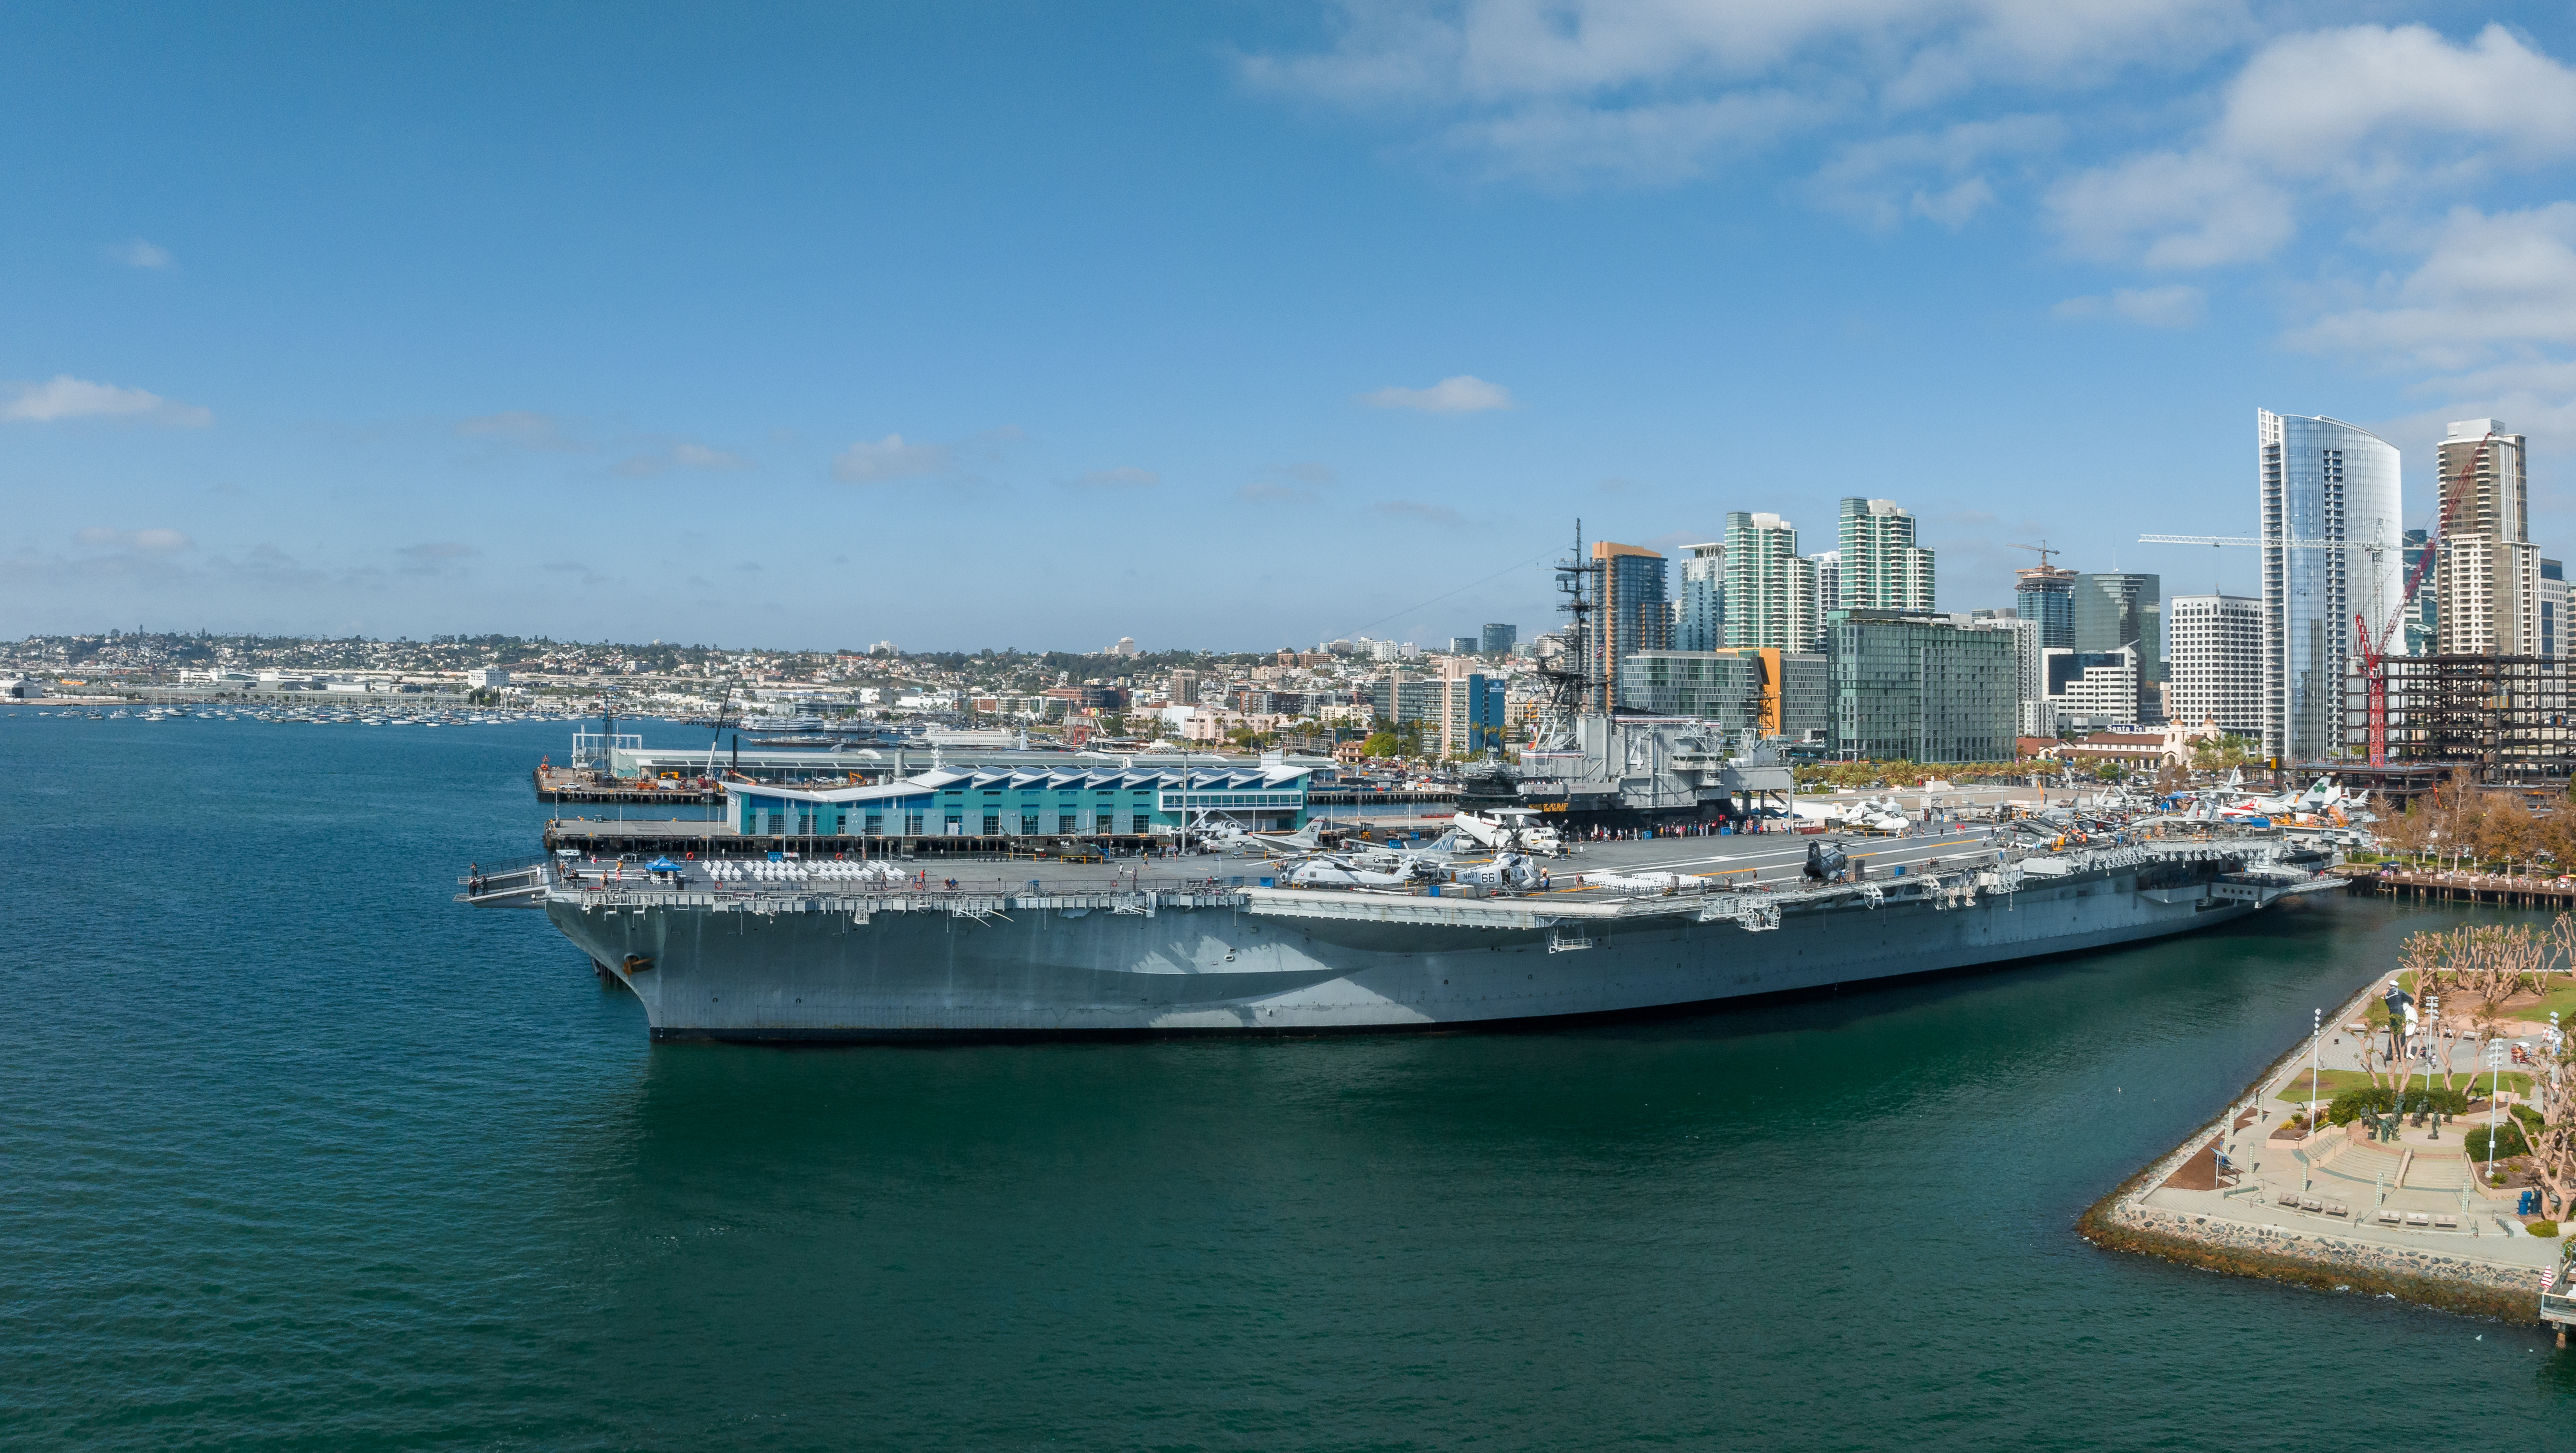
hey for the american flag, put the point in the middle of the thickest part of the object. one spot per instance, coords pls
(2548, 1277)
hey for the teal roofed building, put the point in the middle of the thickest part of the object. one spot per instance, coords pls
(1083, 802)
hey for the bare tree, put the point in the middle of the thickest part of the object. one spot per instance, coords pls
(2553, 1150)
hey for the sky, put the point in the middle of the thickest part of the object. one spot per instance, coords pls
(1221, 326)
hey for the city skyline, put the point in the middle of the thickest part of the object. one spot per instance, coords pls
(656, 329)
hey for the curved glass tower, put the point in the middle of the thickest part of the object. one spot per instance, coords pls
(2330, 493)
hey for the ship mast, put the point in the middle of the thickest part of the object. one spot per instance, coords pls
(1574, 680)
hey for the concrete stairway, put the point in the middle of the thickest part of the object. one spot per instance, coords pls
(2368, 1163)
(2437, 1170)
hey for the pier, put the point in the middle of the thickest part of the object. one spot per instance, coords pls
(556, 784)
(2510, 890)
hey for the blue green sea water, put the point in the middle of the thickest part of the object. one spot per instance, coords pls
(296, 1153)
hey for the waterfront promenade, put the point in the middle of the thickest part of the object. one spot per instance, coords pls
(2336, 1208)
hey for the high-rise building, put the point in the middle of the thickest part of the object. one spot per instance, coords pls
(1470, 708)
(2033, 715)
(2553, 609)
(2320, 479)
(1797, 692)
(1633, 614)
(1699, 617)
(2045, 596)
(2116, 609)
(1920, 688)
(2487, 572)
(1499, 638)
(2420, 621)
(1184, 688)
(2214, 672)
(1829, 579)
(1770, 588)
(1778, 693)
(1401, 696)
(2095, 689)
(1710, 686)
(1881, 566)
(1462, 645)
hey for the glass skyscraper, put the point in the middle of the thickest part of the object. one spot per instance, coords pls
(2046, 594)
(2115, 609)
(1634, 613)
(1699, 618)
(2328, 491)
(2422, 618)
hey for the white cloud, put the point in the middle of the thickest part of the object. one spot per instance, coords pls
(145, 542)
(2371, 114)
(683, 455)
(66, 397)
(520, 429)
(1490, 50)
(2195, 210)
(2488, 285)
(1122, 477)
(2486, 320)
(1655, 91)
(1939, 175)
(1562, 147)
(139, 253)
(890, 459)
(2172, 306)
(1463, 394)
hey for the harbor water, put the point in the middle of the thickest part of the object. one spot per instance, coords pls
(299, 1153)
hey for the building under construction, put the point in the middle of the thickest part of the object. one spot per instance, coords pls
(2504, 717)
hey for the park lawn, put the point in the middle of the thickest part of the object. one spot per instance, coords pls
(2331, 1083)
(2562, 999)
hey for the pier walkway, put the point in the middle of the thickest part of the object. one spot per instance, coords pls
(2516, 890)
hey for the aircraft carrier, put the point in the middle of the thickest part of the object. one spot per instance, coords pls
(758, 950)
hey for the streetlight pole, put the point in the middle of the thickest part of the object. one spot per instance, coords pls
(2432, 1026)
(2316, 1040)
(2495, 1087)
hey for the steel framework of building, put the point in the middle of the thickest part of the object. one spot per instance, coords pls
(2505, 717)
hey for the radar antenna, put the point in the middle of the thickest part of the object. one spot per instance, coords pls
(1573, 677)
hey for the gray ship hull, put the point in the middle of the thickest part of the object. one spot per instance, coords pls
(826, 967)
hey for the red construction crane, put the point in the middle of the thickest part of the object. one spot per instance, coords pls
(2374, 651)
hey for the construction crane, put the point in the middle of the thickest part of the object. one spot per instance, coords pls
(2044, 552)
(2374, 649)
(2223, 541)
